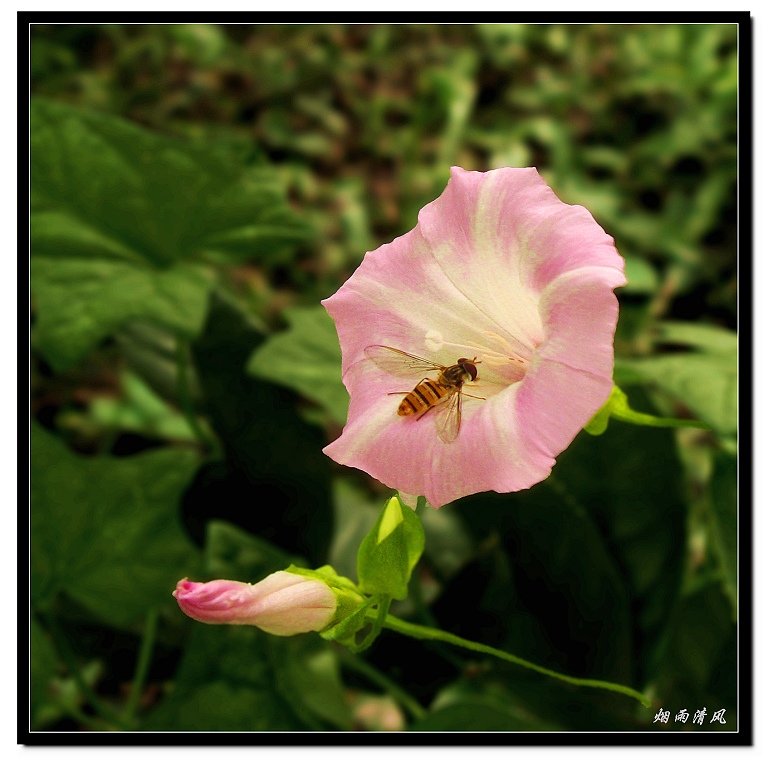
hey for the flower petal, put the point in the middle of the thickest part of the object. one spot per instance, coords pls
(406, 453)
(579, 312)
(465, 228)
(400, 297)
(523, 233)
(306, 606)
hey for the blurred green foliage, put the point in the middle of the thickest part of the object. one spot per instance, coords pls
(196, 190)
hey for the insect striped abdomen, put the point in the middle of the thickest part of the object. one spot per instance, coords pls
(422, 397)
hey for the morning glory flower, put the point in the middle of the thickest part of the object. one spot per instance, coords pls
(502, 274)
(281, 604)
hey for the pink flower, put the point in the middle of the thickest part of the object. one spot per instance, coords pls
(282, 604)
(498, 269)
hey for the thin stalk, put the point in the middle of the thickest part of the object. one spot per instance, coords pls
(647, 420)
(378, 623)
(430, 633)
(382, 681)
(617, 407)
(142, 666)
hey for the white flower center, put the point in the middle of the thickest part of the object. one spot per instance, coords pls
(502, 362)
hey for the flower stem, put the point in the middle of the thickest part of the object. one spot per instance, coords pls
(617, 407)
(647, 420)
(378, 623)
(431, 633)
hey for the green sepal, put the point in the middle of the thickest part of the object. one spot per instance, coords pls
(388, 554)
(345, 630)
(599, 422)
(325, 574)
(617, 407)
(348, 597)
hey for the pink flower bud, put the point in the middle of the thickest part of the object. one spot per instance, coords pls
(282, 604)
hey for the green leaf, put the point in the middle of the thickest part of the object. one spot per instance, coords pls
(630, 485)
(388, 554)
(139, 410)
(274, 479)
(478, 713)
(724, 494)
(126, 224)
(225, 682)
(153, 355)
(706, 379)
(310, 679)
(709, 338)
(641, 277)
(106, 531)
(240, 679)
(306, 358)
(705, 382)
(481, 702)
(699, 663)
(80, 302)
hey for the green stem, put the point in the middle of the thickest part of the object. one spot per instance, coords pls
(378, 623)
(647, 420)
(617, 407)
(382, 681)
(430, 633)
(185, 397)
(421, 503)
(142, 667)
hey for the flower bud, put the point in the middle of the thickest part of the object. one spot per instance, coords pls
(389, 553)
(282, 604)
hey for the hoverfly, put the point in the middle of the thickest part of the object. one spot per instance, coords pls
(442, 395)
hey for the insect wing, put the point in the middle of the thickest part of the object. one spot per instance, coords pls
(400, 363)
(448, 417)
